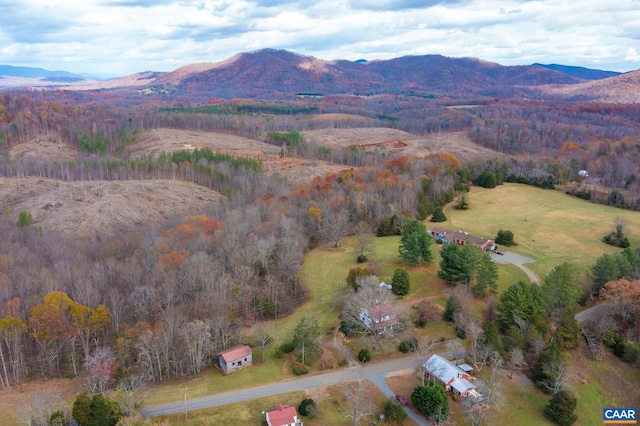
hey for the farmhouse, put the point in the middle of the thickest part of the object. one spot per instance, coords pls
(462, 238)
(380, 318)
(283, 416)
(454, 378)
(234, 358)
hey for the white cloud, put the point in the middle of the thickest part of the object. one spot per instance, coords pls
(124, 36)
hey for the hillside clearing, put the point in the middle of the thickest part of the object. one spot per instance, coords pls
(93, 208)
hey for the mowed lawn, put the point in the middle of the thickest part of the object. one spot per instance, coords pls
(548, 225)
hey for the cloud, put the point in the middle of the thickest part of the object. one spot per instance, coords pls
(125, 36)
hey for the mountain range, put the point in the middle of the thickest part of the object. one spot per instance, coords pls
(270, 73)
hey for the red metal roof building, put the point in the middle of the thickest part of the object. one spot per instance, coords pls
(283, 416)
(235, 358)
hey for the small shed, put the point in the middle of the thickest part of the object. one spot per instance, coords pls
(235, 358)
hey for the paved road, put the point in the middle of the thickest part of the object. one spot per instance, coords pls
(309, 382)
(592, 312)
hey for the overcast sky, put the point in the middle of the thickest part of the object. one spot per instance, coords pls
(120, 37)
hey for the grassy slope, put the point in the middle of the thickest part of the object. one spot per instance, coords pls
(548, 226)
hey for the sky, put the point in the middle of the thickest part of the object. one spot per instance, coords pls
(121, 37)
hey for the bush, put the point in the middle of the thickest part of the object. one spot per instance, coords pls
(393, 411)
(410, 344)
(505, 237)
(364, 355)
(299, 368)
(308, 408)
(631, 352)
(24, 219)
(561, 407)
(362, 258)
(287, 347)
(611, 339)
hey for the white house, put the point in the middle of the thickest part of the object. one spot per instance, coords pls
(380, 318)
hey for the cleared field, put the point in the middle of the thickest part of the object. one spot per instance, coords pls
(401, 143)
(89, 208)
(549, 226)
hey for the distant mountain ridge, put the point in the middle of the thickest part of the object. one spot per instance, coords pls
(28, 72)
(271, 73)
(580, 72)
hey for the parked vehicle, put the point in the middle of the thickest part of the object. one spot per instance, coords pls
(401, 399)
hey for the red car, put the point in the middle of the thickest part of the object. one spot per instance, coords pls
(401, 399)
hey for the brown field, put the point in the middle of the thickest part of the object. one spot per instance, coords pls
(45, 147)
(89, 208)
(402, 143)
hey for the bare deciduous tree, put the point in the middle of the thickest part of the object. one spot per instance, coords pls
(356, 403)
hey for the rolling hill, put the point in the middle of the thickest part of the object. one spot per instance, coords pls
(281, 74)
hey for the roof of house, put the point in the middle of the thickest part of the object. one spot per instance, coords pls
(462, 385)
(438, 230)
(379, 313)
(282, 415)
(235, 352)
(443, 369)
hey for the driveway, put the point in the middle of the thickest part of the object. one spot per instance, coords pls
(518, 260)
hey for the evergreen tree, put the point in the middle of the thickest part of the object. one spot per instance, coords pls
(438, 215)
(400, 282)
(452, 306)
(415, 243)
(561, 289)
(457, 264)
(568, 332)
(81, 411)
(486, 276)
(432, 401)
(561, 408)
(306, 338)
(520, 300)
(393, 411)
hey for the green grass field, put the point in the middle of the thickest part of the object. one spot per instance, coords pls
(549, 226)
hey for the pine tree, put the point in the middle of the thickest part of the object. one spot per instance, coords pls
(400, 282)
(561, 408)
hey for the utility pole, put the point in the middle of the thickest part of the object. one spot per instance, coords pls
(185, 404)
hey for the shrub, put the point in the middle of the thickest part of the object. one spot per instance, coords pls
(299, 368)
(561, 407)
(24, 219)
(611, 339)
(308, 408)
(505, 237)
(287, 347)
(393, 411)
(364, 355)
(362, 258)
(410, 344)
(631, 352)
